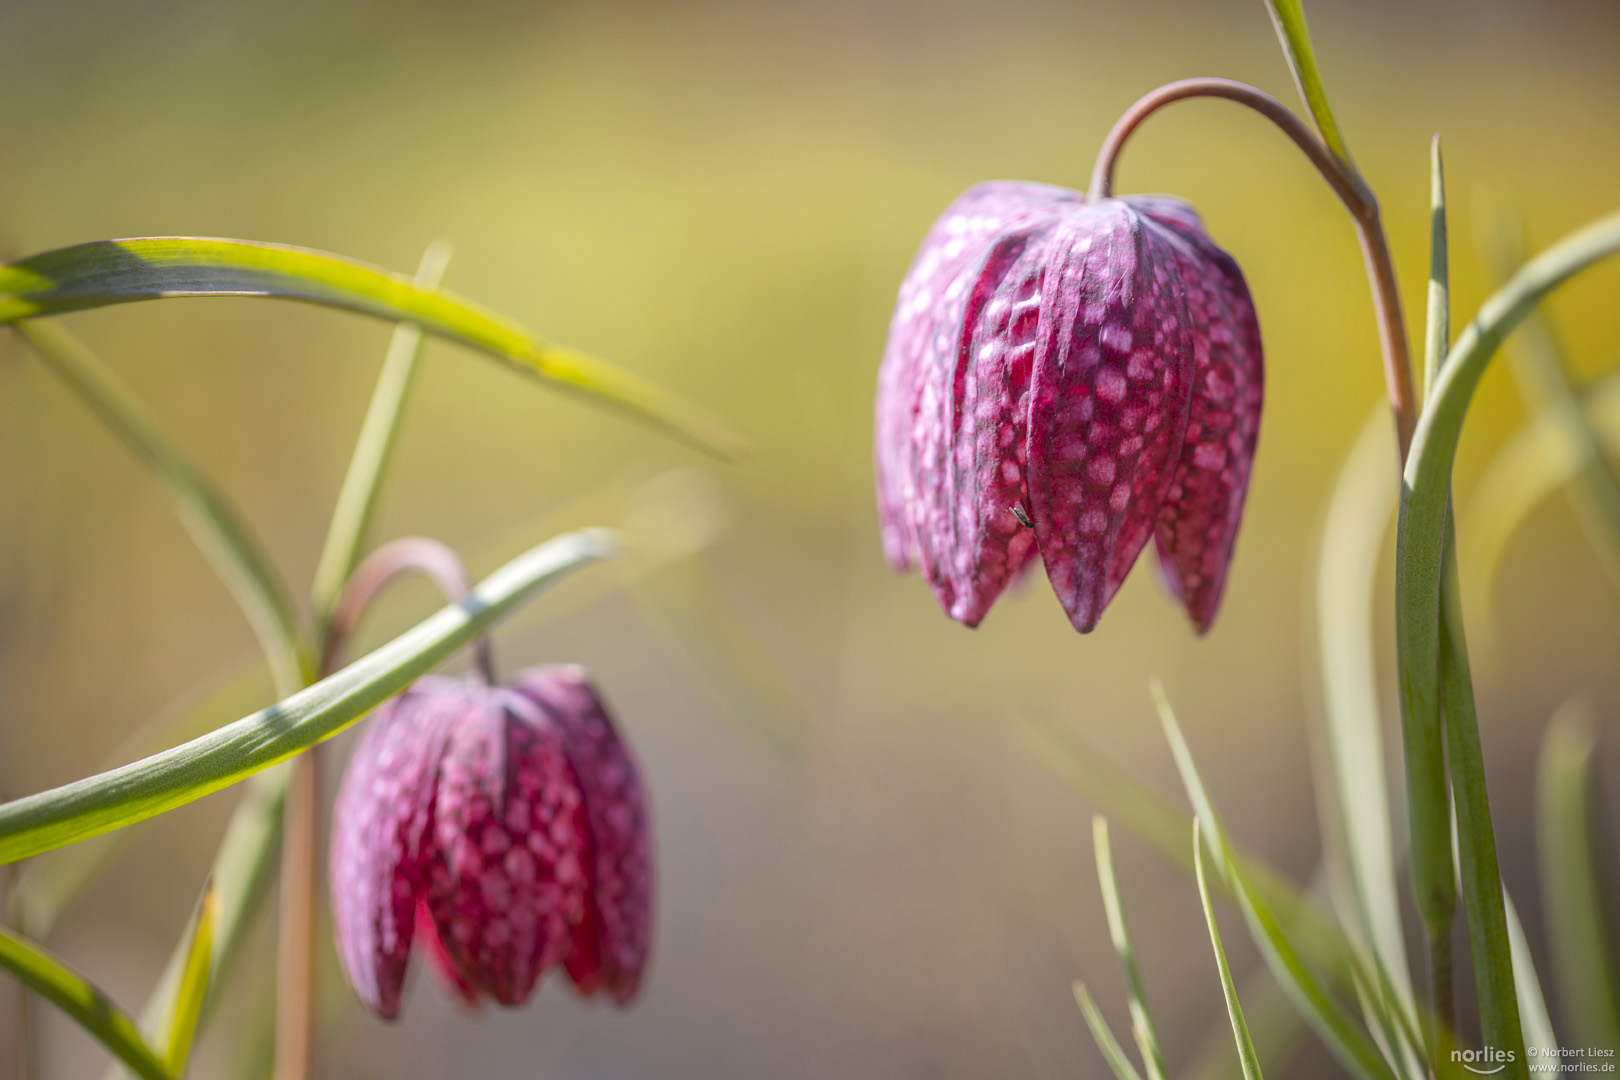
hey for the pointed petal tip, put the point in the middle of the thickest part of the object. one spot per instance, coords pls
(611, 945)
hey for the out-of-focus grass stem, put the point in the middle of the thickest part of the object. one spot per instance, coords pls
(346, 538)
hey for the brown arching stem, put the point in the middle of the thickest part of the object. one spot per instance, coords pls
(410, 554)
(300, 878)
(1363, 208)
(1352, 192)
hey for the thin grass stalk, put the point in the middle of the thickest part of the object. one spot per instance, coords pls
(295, 932)
(225, 539)
(345, 539)
(1488, 936)
(1436, 341)
(1142, 1029)
(358, 498)
(1234, 1010)
(1113, 1053)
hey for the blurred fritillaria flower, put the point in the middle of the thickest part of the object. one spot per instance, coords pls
(506, 828)
(1067, 377)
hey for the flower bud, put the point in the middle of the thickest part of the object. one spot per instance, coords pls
(1072, 378)
(506, 828)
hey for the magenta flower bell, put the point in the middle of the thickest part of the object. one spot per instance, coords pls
(506, 829)
(1069, 378)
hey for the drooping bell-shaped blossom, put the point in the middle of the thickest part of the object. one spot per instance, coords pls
(1067, 378)
(505, 831)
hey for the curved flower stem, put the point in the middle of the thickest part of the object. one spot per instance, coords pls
(1433, 873)
(300, 880)
(345, 540)
(1352, 192)
(233, 752)
(412, 553)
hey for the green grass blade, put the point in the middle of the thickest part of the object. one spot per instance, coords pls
(48, 885)
(180, 1030)
(1538, 1029)
(1421, 534)
(1541, 371)
(149, 268)
(83, 1003)
(1437, 323)
(148, 787)
(1147, 1039)
(1111, 787)
(1354, 1050)
(1577, 907)
(362, 484)
(1112, 1052)
(216, 527)
(1353, 786)
(244, 867)
(1428, 804)
(1288, 16)
(1275, 1026)
(1234, 1010)
(1495, 988)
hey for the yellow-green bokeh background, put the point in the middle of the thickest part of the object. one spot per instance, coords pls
(724, 197)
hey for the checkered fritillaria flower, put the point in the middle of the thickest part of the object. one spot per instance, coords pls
(1067, 378)
(505, 830)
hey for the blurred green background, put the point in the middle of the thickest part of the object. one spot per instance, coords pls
(724, 196)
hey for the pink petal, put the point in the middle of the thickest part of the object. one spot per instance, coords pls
(428, 940)
(380, 826)
(611, 946)
(915, 382)
(508, 885)
(1111, 393)
(1198, 524)
(987, 433)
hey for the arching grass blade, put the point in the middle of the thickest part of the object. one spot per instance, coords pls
(1421, 533)
(217, 528)
(150, 268)
(145, 788)
(87, 1006)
